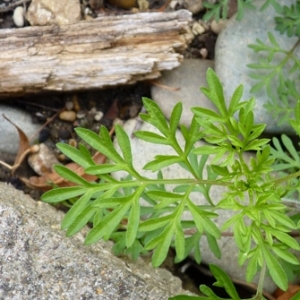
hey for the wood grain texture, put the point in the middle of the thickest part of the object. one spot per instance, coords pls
(106, 51)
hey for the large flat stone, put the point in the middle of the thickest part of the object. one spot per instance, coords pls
(233, 55)
(37, 261)
(188, 78)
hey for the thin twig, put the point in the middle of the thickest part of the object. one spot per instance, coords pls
(230, 234)
(39, 105)
(165, 87)
(45, 124)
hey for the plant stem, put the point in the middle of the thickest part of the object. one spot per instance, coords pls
(286, 178)
(261, 282)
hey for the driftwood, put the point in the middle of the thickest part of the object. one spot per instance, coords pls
(103, 52)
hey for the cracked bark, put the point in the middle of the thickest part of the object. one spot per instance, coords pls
(106, 51)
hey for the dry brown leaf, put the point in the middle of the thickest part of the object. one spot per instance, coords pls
(48, 180)
(165, 87)
(291, 291)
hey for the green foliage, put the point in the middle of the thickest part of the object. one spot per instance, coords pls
(223, 281)
(144, 214)
(289, 21)
(276, 66)
(220, 9)
(271, 70)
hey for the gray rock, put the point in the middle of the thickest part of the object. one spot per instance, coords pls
(143, 152)
(53, 12)
(233, 55)
(194, 6)
(217, 27)
(188, 77)
(38, 262)
(9, 138)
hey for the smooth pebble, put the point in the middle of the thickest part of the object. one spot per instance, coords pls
(19, 16)
(68, 115)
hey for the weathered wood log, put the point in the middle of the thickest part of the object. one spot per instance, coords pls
(103, 52)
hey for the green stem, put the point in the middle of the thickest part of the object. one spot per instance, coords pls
(286, 178)
(166, 182)
(261, 282)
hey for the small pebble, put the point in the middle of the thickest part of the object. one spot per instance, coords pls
(118, 121)
(43, 161)
(216, 27)
(134, 110)
(69, 116)
(143, 5)
(203, 52)
(98, 116)
(87, 12)
(69, 105)
(72, 142)
(197, 28)
(204, 24)
(80, 114)
(62, 158)
(93, 110)
(18, 16)
(43, 135)
(194, 6)
(40, 116)
(175, 3)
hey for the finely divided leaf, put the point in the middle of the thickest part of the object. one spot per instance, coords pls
(286, 255)
(179, 241)
(213, 245)
(80, 157)
(61, 194)
(161, 243)
(105, 227)
(276, 271)
(235, 99)
(124, 144)
(155, 116)
(175, 118)
(71, 176)
(133, 221)
(215, 91)
(164, 199)
(102, 142)
(151, 137)
(82, 219)
(290, 147)
(162, 161)
(76, 209)
(207, 113)
(154, 224)
(223, 280)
